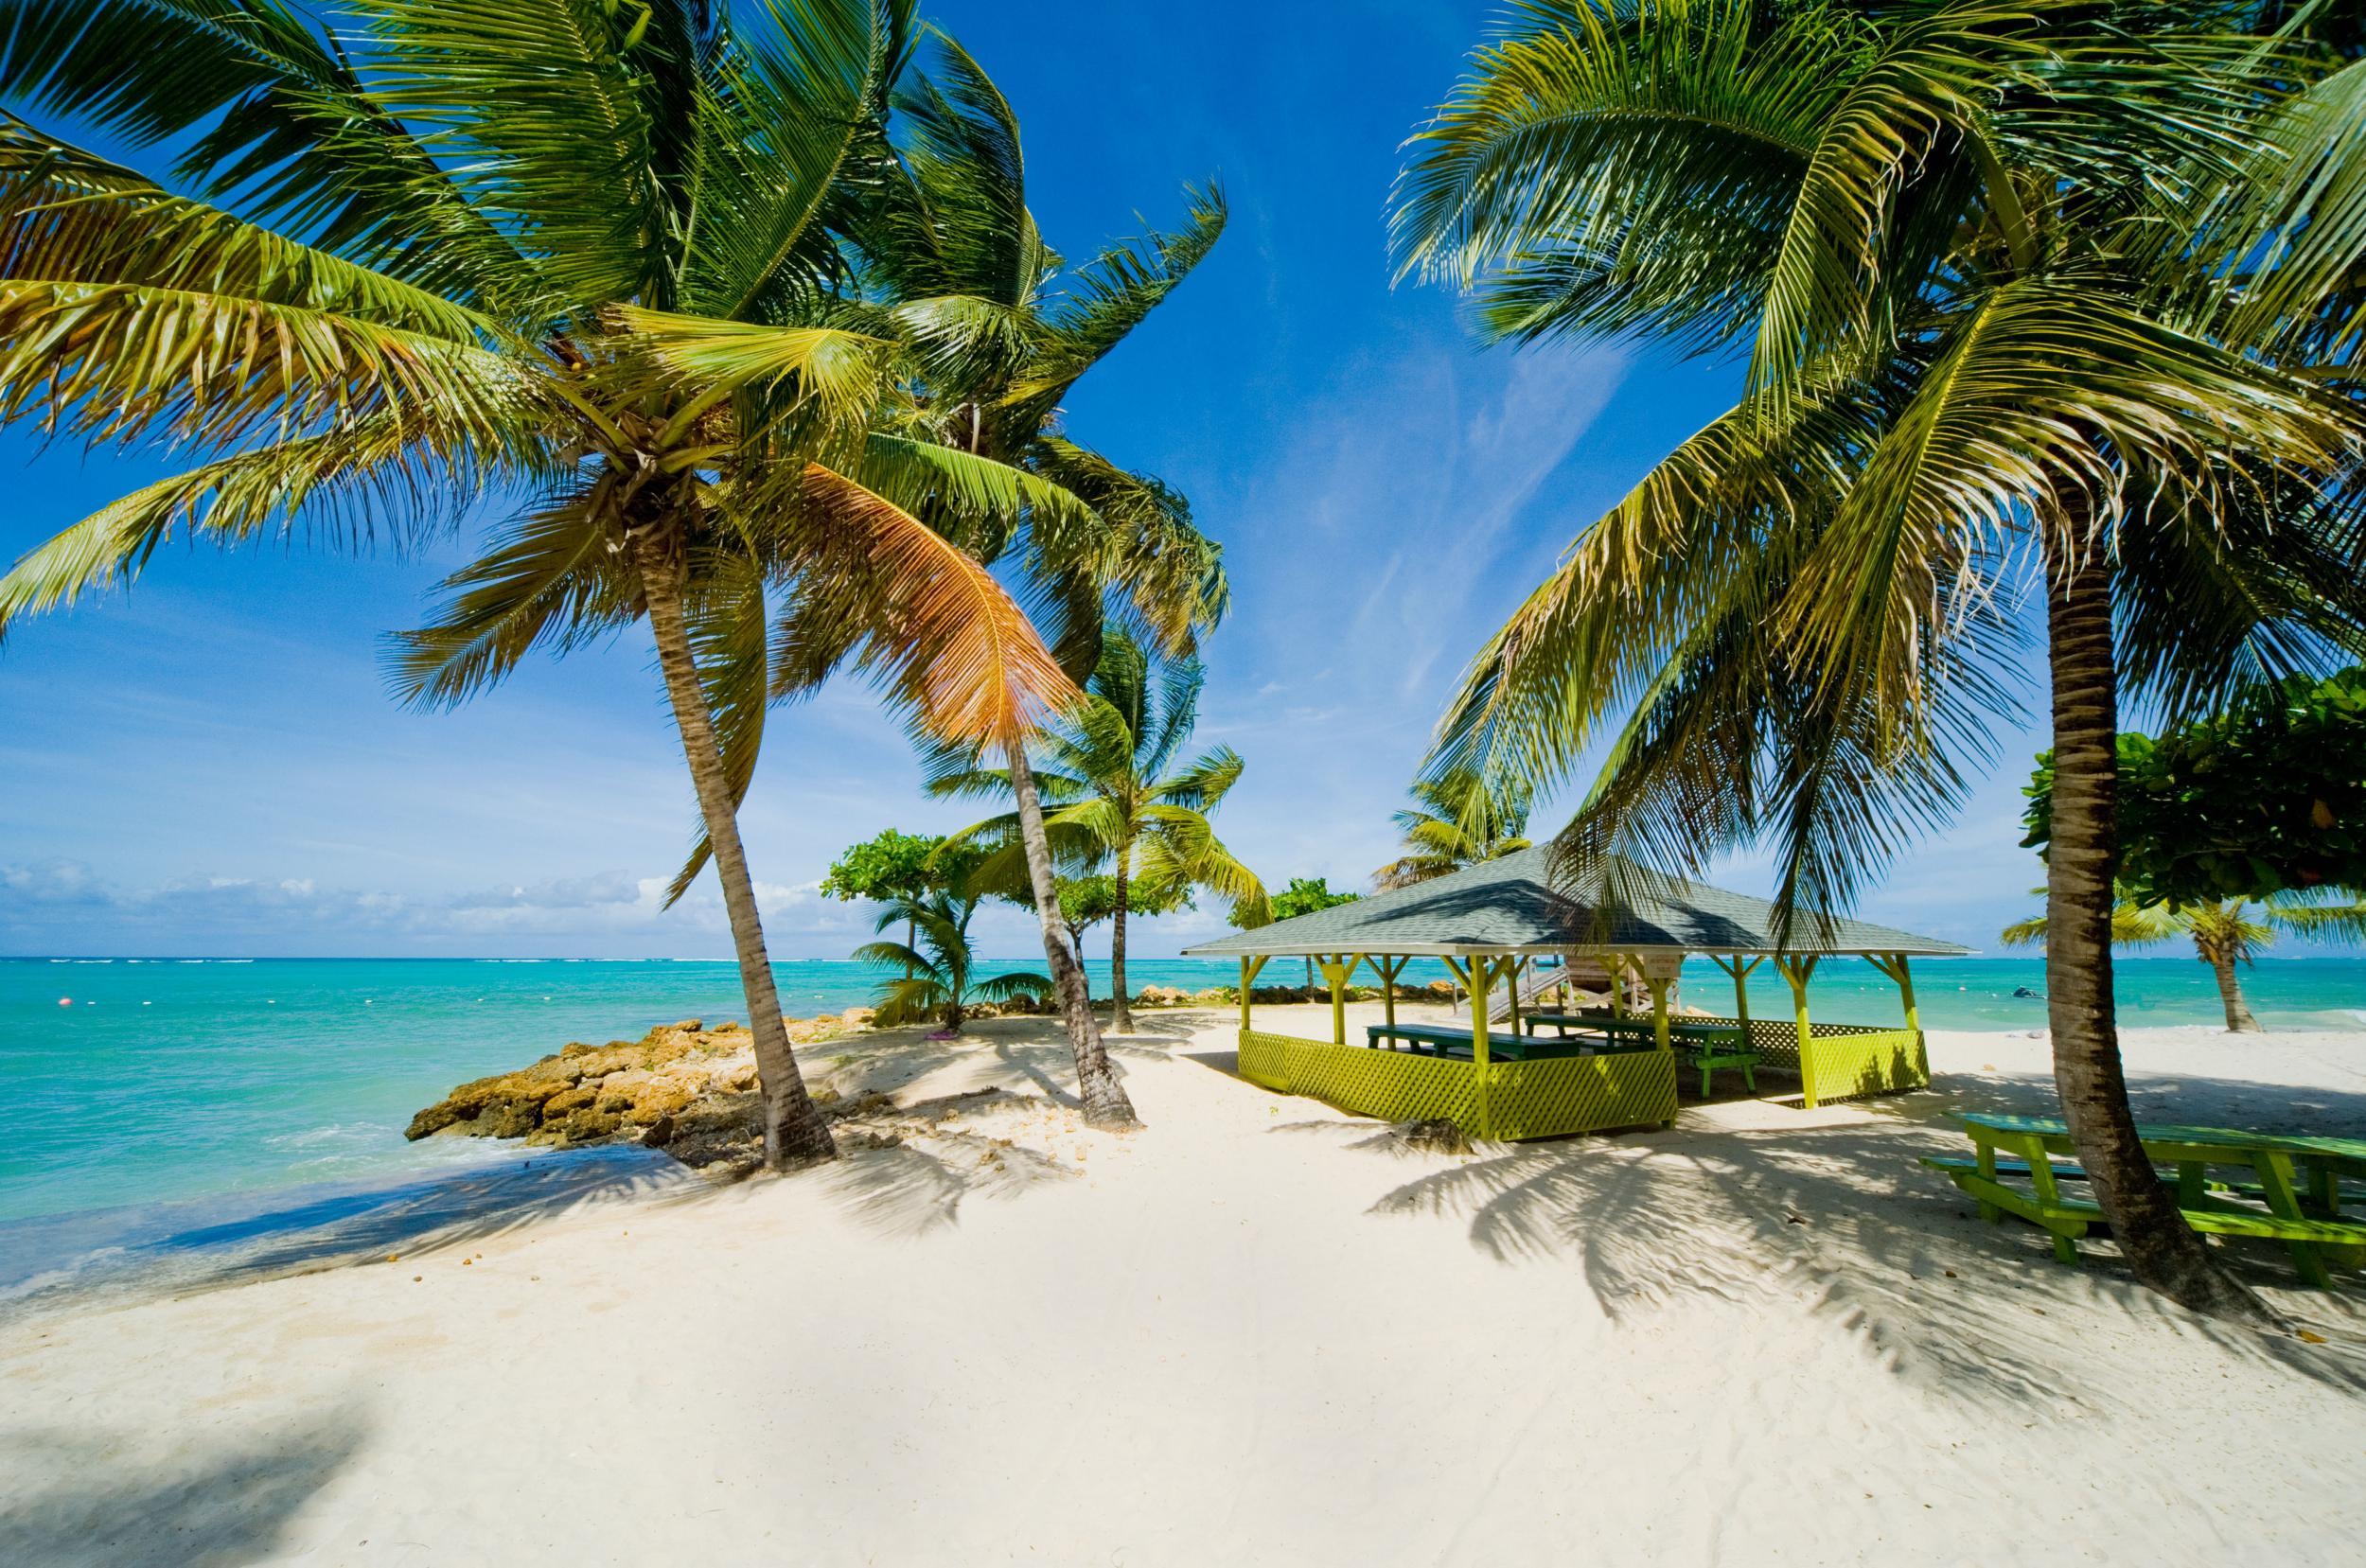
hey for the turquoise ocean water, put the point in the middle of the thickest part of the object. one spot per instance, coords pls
(226, 1085)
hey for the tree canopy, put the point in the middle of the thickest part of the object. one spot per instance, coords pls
(2266, 797)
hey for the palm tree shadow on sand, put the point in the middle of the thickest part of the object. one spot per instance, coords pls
(1836, 1214)
(72, 1496)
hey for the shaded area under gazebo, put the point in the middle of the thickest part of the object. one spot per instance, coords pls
(1489, 924)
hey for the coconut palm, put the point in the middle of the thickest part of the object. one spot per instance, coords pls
(1462, 818)
(2225, 933)
(937, 978)
(2013, 327)
(577, 260)
(1103, 769)
(1005, 330)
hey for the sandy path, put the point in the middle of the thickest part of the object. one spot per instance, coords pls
(1251, 1334)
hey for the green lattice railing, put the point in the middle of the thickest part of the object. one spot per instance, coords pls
(1847, 1060)
(1509, 1100)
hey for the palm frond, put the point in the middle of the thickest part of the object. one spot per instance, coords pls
(367, 479)
(268, 111)
(781, 132)
(939, 635)
(554, 583)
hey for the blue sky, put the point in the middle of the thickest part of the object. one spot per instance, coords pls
(209, 764)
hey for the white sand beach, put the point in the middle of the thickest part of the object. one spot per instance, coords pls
(1257, 1332)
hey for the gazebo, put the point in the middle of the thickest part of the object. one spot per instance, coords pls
(1490, 923)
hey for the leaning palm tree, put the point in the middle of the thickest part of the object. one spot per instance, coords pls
(1005, 330)
(2226, 933)
(937, 963)
(576, 259)
(2013, 330)
(1461, 820)
(1104, 770)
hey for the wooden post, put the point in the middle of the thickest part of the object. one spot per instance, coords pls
(1518, 964)
(1658, 988)
(1388, 974)
(1615, 965)
(1798, 972)
(1739, 969)
(1249, 968)
(1479, 976)
(1336, 968)
(1896, 970)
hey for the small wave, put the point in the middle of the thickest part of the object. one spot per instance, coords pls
(333, 1133)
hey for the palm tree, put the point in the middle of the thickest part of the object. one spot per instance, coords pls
(584, 255)
(2017, 321)
(1103, 769)
(937, 976)
(2225, 932)
(1462, 818)
(1005, 330)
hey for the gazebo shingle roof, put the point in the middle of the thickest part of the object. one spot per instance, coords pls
(1509, 906)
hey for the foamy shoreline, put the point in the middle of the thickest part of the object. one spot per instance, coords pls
(1251, 1333)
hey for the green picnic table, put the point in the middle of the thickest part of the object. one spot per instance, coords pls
(1701, 1047)
(1443, 1041)
(2291, 1174)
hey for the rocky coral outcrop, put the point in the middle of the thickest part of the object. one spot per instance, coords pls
(684, 1087)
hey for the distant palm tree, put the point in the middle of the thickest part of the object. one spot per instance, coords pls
(580, 261)
(1007, 329)
(1102, 768)
(937, 979)
(2224, 933)
(1462, 819)
(2042, 297)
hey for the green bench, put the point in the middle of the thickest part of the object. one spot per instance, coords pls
(2284, 1168)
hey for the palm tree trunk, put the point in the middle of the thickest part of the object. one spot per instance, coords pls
(1121, 1005)
(2081, 866)
(1106, 1105)
(2238, 1016)
(794, 1131)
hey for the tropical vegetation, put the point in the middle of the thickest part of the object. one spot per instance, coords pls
(1109, 770)
(1006, 328)
(938, 980)
(2038, 301)
(647, 280)
(1305, 895)
(2226, 933)
(894, 864)
(1460, 818)
(2262, 798)
(1096, 898)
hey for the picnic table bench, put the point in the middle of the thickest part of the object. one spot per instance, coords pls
(2291, 1175)
(1443, 1040)
(1705, 1048)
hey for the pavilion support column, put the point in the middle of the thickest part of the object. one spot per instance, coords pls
(1480, 975)
(1249, 968)
(1336, 968)
(1658, 988)
(1894, 966)
(1740, 969)
(1798, 972)
(1388, 970)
